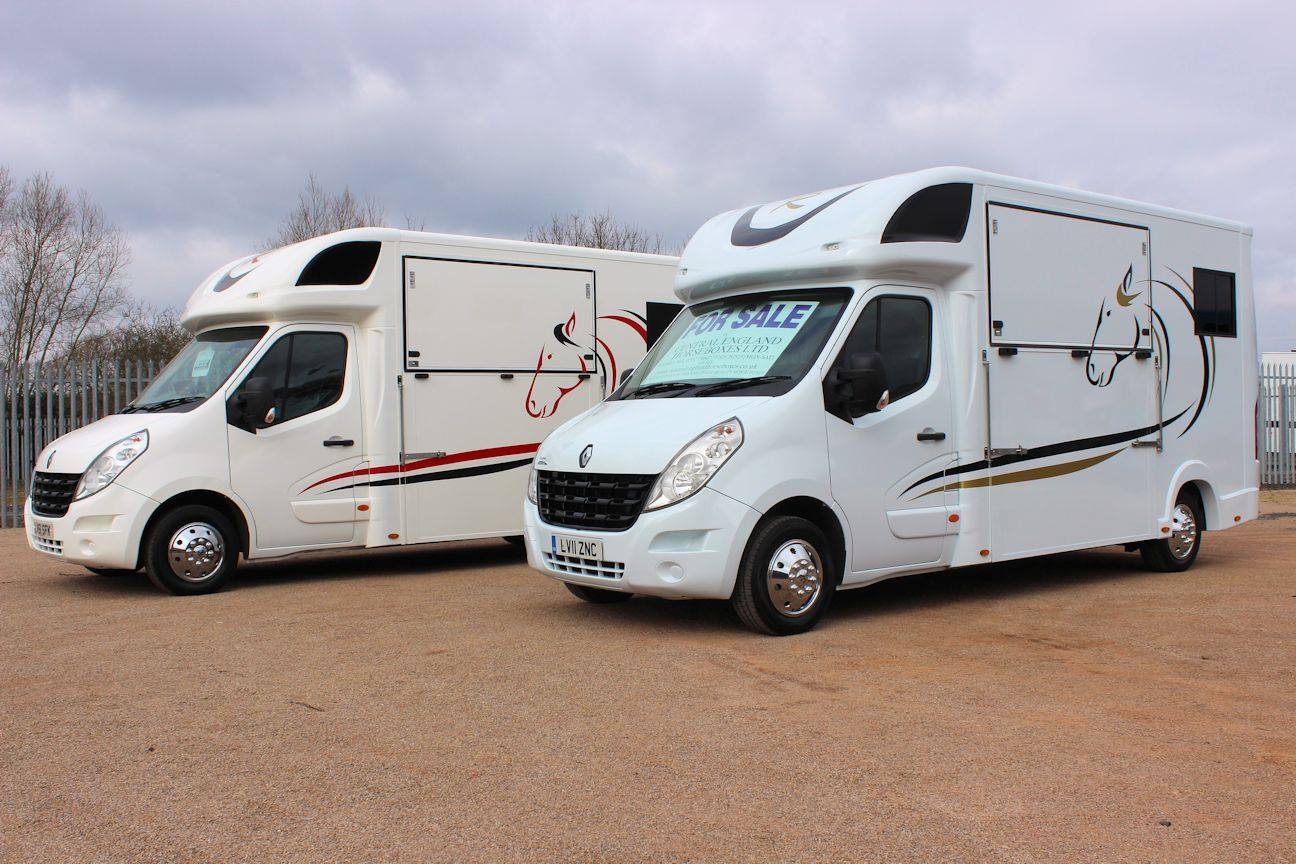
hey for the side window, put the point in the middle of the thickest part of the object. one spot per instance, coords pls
(315, 373)
(899, 329)
(1214, 302)
(304, 371)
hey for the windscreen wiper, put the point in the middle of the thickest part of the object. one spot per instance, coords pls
(660, 387)
(721, 386)
(163, 405)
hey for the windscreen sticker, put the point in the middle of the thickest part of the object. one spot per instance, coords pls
(202, 363)
(732, 342)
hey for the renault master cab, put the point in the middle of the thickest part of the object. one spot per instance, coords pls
(368, 388)
(924, 372)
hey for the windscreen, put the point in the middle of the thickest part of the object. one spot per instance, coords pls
(198, 370)
(757, 343)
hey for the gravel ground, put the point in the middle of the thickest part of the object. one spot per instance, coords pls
(447, 704)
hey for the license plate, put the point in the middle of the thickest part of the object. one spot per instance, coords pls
(576, 547)
(43, 530)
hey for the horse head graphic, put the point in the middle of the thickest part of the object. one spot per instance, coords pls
(563, 351)
(1120, 322)
(1121, 317)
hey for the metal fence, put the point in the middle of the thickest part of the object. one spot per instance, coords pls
(40, 403)
(1277, 422)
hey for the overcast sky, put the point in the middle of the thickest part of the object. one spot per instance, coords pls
(195, 125)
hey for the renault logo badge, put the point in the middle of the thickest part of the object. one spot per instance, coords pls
(586, 454)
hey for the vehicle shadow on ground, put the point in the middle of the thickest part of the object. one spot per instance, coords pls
(901, 595)
(321, 566)
(397, 561)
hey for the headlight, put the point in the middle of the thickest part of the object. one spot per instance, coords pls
(693, 466)
(532, 495)
(111, 462)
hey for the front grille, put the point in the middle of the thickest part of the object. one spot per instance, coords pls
(52, 493)
(604, 502)
(584, 566)
(53, 547)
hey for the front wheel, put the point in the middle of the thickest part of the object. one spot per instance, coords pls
(786, 578)
(1178, 551)
(191, 550)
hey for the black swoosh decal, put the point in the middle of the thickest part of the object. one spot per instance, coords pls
(744, 234)
(1048, 450)
(454, 474)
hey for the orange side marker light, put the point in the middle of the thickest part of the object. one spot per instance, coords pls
(393, 536)
(954, 517)
(362, 507)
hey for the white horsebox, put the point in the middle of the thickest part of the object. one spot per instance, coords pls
(928, 371)
(370, 388)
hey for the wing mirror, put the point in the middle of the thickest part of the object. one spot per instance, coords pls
(625, 376)
(252, 406)
(858, 386)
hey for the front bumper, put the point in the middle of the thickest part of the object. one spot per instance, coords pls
(103, 530)
(690, 549)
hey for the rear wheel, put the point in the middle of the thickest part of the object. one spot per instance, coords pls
(1178, 551)
(191, 550)
(597, 595)
(786, 578)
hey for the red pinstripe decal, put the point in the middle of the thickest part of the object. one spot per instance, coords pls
(449, 459)
(629, 322)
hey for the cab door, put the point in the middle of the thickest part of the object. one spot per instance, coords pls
(887, 466)
(295, 469)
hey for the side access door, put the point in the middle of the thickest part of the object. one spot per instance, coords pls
(887, 466)
(497, 355)
(1073, 382)
(281, 464)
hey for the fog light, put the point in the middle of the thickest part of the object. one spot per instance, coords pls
(670, 572)
(88, 548)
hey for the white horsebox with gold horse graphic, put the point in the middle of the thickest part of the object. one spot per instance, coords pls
(927, 371)
(372, 387)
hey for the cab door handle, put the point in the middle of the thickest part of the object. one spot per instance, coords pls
(338, 442)
(930, 434)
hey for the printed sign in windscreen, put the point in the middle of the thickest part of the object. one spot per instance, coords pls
(733, 342)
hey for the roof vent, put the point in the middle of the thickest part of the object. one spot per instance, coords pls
(350, 263)
(937, 213)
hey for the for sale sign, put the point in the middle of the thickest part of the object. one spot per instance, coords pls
(732, 342)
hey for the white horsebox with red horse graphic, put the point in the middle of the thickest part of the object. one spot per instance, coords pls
(927, 371)
(369, 388)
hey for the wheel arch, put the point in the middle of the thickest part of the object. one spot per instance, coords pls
(221, 503)
(1193, 475)
(822, 515)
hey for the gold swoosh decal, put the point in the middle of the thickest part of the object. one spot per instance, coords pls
(1027, 474)
(1121, 297)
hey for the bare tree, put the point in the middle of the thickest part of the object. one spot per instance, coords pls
(140, 332)
(597, 231)
(61, 265)
(319, 211)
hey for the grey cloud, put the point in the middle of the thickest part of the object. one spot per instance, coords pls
(195, 127)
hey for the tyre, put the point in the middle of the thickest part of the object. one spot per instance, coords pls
(1178, 551)
(786, 578)
(597, 595)
(515, 540)
(191, 550)
(111, 573)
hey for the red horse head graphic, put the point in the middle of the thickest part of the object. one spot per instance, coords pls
(565, 352)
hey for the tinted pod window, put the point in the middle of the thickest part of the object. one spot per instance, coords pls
(300, 374)
(755, 344)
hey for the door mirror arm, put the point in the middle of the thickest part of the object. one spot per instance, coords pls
(856, 386)
(252, 405)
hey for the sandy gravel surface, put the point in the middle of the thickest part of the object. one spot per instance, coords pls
(449, 705)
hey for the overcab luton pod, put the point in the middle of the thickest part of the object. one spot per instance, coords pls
(926, 371)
